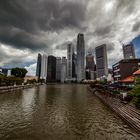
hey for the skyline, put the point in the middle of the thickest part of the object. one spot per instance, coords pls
(25, 31)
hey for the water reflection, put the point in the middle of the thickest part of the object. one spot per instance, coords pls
(59, 112)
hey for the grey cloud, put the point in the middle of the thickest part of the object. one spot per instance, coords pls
(30, 18)
(136, 26)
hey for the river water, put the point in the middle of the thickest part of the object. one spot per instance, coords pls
(59, 112)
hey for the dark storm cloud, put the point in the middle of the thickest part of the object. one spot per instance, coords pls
(21, 22)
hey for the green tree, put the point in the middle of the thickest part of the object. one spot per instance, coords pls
(135, 93)
(19, 72)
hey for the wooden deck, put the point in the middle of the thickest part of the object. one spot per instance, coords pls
(127, 112)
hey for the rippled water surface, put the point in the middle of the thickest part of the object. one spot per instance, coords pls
(59, 112)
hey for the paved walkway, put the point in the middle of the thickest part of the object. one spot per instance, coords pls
(128, 112)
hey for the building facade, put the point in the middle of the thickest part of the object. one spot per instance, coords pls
(124, 69)
(38, 69)
(80, 57)
(58, 69)
(101, 61)
(44, 63)
(51, 69)
(90, 67)
(5, 71)
(70, 52)
(129, 51)
(63, 69)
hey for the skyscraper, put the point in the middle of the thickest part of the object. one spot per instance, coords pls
(44, 63)
(58, 69)
(38, 69)
(51, 70)
(90, 67)
(101, 61)
(90, 64)
(129, 51)
(74, 60)
(63, 69)
(70, 52)
(80, 57)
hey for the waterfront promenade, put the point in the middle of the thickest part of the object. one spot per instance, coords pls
(127, 112)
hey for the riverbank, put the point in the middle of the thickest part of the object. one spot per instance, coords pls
(127, 112)
(13, 88)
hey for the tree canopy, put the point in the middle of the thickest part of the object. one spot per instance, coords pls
(19, 72)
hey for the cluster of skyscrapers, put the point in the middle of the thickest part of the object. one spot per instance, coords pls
(78, 65)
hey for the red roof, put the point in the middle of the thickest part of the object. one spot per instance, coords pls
(129, 79)
(137, 72)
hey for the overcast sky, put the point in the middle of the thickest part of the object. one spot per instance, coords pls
(28, 27)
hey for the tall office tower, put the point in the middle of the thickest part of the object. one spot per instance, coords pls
(90, 67)
(70, 52)
(101, 61)
(74, 60)
(80, 57)
(38, 68)
(51, 70)
(63, 69)
(44, 62)
(58, 69)
(129, 51)
(90, 64)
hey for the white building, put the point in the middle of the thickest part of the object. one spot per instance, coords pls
(44, 62)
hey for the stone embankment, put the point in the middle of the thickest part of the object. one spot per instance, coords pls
(13, 88)
(126, 111)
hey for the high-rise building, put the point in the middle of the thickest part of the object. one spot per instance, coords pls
(90, 64)
(51, 70)
(129, 51)
(70, 51)
(90, 67)
(58, 69)
(63, 69)
(101, 61)
(80, 57)
(38, 69)
(74, 60)
(44, 62)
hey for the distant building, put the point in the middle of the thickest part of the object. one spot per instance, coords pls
(44, 62)
(63, 69)
(71, 62)
(58, 69)
(129, 51)
(26, 78)
(101, 61)
(38, 69)
(51, 70)
(74, 60)
(80, 57)
(70, 52)
(124, 69)
(90, 67)
(5, 71)
(90, 64)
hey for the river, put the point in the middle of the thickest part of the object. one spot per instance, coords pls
(59, 112)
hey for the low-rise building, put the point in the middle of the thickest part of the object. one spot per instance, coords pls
(125, 68)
